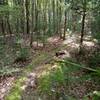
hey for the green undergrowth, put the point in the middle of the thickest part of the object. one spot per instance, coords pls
(16, 91)
(57, 82)
(7, 71)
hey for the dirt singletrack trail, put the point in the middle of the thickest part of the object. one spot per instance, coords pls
(44, 56)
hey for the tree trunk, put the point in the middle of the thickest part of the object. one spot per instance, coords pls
(53, 5)
(64, 34)
(82, 32)
(32, 27)
(9, 26)
(27, 16)
(2, 27)
(60, 19)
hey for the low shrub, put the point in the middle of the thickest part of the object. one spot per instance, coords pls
(22, 55)
(56, 82)
(6, 71)
(94, 60)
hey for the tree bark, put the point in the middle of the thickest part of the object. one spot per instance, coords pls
(9, 26)
(2, 27)
(64, 34)
(53, 5)
(82, 32)
(27, 16)
(32, 27)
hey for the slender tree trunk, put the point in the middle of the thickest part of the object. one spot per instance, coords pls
(27, 16)
(32, 26)
(36, 20)
(9, 26)
(60, 19)
(22, 19)
(49, 15)
(53, 5)
(2, 27)
(82, 32)
(57, 30)
(64, 34)
(45, 27)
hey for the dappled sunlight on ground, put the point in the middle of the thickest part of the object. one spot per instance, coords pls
(47, 70)
(43, 70)
(73, 41)
(43, 63)
(53, 39)
(89, 43)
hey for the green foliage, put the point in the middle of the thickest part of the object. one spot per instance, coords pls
(23, 54)
(94, 61)
(6, 71)
(97, 36)
(15, 93)
(57, 78)
(6, 55)
(45, 84)
(51, 80)
(96, 95)
(95, 27)
(62, 76)
(6, 9)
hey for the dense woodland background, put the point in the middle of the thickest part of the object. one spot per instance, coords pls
(36, 36)
(43, 18)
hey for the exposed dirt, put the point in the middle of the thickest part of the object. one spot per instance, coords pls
(30, 84)
(5, 86)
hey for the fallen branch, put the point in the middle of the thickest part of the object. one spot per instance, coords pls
(71, 63)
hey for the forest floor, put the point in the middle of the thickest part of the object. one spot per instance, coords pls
(40, 57)
(13, 88)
